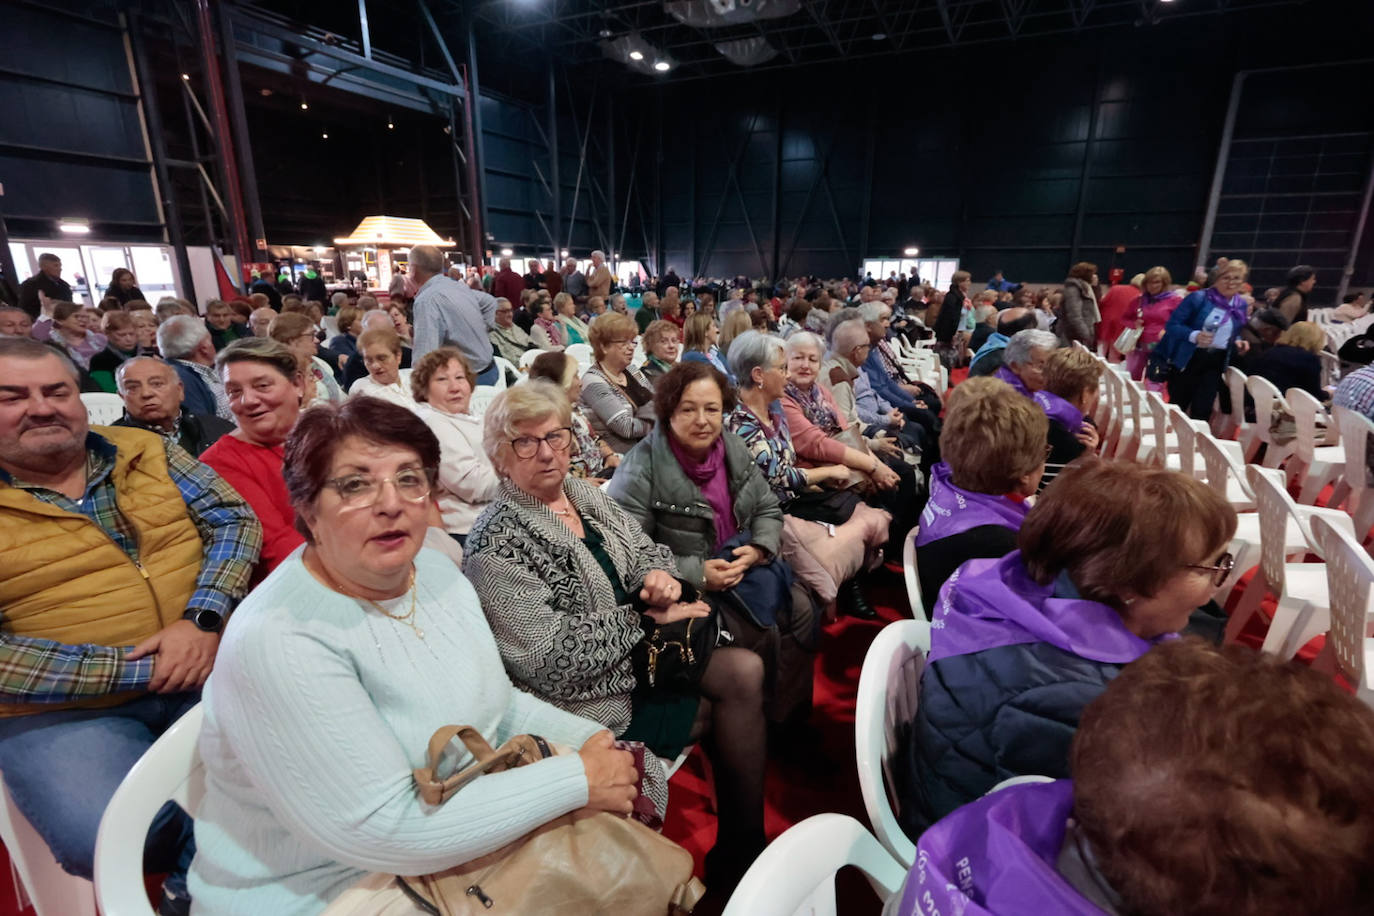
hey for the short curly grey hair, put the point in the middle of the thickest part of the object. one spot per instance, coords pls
(529, 402)
(1023, 342)
(752, 350)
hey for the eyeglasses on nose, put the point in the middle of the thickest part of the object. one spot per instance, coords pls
(558, 440)
(358, 491)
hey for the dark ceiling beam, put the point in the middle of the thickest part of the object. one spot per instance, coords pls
(822, 20)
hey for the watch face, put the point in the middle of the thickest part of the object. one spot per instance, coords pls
(208, 620)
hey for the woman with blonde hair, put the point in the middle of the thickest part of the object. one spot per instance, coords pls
(592, 458)
(617, 397)
(1150, 313)
(1293, 361)
(574, 329)
(700, 336)
(662, 343)
(1201, 335)
(732, 326)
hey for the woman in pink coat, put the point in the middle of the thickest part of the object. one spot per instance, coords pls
(1150, 312)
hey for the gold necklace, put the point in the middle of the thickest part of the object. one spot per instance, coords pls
(408, 618)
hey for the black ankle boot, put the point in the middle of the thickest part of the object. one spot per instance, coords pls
(729, 859)
(853, 602)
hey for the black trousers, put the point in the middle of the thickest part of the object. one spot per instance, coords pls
(1194, 387)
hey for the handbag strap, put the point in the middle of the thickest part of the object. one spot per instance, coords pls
(518, 751)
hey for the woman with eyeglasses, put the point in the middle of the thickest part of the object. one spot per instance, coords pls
(618, 399)
(335, 673)
(572, 587)
(1114, 558)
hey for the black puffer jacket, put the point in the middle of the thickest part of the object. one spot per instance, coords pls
(988, 716)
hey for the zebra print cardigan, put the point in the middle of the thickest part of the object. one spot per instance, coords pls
(550, 606)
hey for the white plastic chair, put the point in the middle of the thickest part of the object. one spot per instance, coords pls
(403, 376)
(528, 357)
(330, 324)
(1238, 426)
(38, 879)
(1303, 610)
(1356, 429)
(583, 354)
(482, 395)
(911, 573)
(1331, 368)
(102, 408)
(1267, 398)
(170, 770)
(1225, 475)
(795, 875)
(889, 690)
(503, 366)
(1025, 780)
(1318, 465)
(1349, 574)
(1186, 430)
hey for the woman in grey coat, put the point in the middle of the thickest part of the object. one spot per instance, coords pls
(695, 488)
(571, 586)
(1078, 313)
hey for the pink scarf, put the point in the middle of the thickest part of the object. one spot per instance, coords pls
(551, 328)
(709, 474)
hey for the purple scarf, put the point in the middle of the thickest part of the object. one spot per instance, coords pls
(991, 603)
(709, 474)
(1059, 410)
(950, 510)
(1235, 309)
(1011, 378)
(814, 407)
(996, 857)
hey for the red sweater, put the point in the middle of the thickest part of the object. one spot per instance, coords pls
(256, 473)
(813, 445)
(508, 285)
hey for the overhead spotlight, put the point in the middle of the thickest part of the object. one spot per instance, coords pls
(636, 55)
(75, 226)
(389, 124)
(324, 135)
(604, 33)
(663, 66)
(879, 36)
(912, 252)
(265, 93)
(506, 252)
(305, 106)
(565, 253)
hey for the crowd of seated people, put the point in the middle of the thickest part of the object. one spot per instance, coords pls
(721, 478)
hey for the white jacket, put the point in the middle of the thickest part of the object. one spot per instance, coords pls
(467, 481)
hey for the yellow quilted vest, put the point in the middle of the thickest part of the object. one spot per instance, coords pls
(64, 578)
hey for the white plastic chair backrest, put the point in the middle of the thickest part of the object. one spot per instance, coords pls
(1331, 367)
(528, 357)
(583, 354)
(1027, 779)
(1355, 430)
(482, 396)
(1220, 466)
(1349, 573)
(889, 691)
(102, 408)
(1235, 383)
(1306, 409)
(1185, 432)
(910, 572)
(1267, 397)
(1275, 507)
(795, 875)
(403, 376)
(503, 366)
(330, 323)
(169, 770)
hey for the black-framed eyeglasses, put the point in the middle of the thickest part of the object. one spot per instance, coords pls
(1225, 563)
(559, 440)
(358, 491)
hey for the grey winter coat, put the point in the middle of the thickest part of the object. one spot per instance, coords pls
(1078, 316)
(651, 486)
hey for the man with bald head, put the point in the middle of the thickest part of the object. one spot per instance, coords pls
(450, 313)
(988, 359)
(259, 320)
(153, 393)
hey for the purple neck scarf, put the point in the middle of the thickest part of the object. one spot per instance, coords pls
(814, 407)
(996, 857)
(709, 474)
(1059, 410)
(1011, 378)
(1235, 308)
(987, 604)
(951, 510)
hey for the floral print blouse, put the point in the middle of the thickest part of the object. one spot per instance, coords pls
(770, 443)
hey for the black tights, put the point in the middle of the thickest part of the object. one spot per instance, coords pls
(730, 719)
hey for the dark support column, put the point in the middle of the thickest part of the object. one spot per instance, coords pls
(228, 167)
(867, 199)
(477, 157)
(6, 256)
(612, 255)
(555, 179)
(474, 230)
(242, 143)
(777, 192)
(1358, 236)
(660, 266)
(692, 213)
(147, 97)
(1086, 172)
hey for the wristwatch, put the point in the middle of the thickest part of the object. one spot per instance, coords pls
(206, 619)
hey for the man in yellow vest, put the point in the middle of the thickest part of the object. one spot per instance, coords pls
(120, 558)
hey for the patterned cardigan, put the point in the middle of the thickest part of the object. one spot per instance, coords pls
(552, 609)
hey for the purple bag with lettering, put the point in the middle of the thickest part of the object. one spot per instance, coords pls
(996, 857)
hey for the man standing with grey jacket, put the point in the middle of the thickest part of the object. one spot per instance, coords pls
(449, 312)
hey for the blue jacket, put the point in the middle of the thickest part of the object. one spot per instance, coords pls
(882, 383)
(198, 396)
(996, 341)
(1190, 316)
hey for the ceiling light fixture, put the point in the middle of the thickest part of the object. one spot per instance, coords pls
(390, 125)
(305, 106)
(186, 77)
(663, 66)
(636, 55)
(506, 252)
(912, 251)
(565, 252)
(324, 135)
(75, 226)
(879, 36)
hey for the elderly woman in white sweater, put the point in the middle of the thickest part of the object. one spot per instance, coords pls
(442, 385)
(333, 676)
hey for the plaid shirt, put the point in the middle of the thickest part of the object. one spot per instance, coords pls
(36, 670)
(1356, 392)
(216, 387)
(889, 360)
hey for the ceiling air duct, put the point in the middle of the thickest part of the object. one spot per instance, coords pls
(709, 14)
(747, 52)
